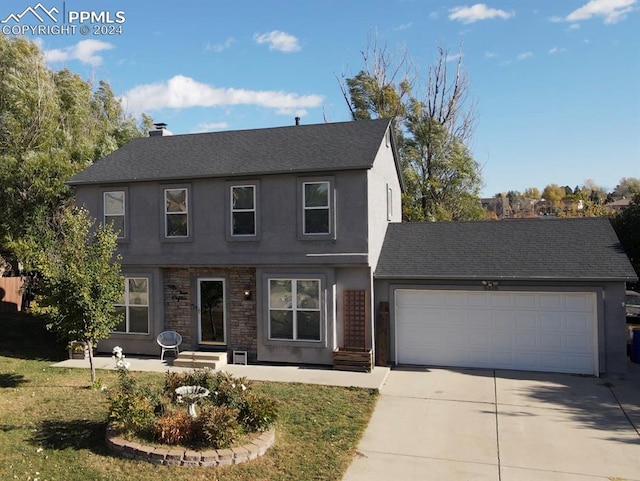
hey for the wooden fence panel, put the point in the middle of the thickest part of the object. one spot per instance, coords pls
(10, 294)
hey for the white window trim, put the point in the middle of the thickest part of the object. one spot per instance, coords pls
(294, 308)
(127, 305)
(186, 212)
(253, 210)
(123, 234)
(389, 203)
(305, 208)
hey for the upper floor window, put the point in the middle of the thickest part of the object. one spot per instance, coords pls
(316, 208)
(134, 306)
(114, 211)
(243, 210)
(389, 203)
(176, 212)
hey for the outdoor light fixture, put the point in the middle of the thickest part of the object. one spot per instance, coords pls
(247, 292)
(176, 295)
(490, 285)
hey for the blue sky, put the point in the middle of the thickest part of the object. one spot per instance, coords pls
(556, 83)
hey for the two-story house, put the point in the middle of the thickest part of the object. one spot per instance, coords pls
(248, 239)
(288, 243)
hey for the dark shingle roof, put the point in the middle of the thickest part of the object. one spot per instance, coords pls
(303, 148)
(542, 249)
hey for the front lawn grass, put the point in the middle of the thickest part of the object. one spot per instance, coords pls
(52, 424)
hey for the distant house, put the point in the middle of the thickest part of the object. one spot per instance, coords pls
(619, 205)
(288, 243)
(498, 206)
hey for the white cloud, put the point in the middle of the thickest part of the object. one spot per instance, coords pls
(477, 12)
(574, 26)
(278, 40)
(291, 111)
(183, 92)
(453, 57)
(219, 47)
(611, 10)
(555, 50)
(524, 55)
(84, 51)
(404, 26)
(489, 54)
(210, 127)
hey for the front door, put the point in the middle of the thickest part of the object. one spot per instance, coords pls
(211, 312)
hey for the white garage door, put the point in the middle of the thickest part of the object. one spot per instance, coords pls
(531, 331)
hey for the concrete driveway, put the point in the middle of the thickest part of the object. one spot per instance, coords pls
(501, 425)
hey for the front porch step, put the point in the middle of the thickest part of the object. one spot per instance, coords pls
(201, 359)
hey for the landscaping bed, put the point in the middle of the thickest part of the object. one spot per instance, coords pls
(53, 426)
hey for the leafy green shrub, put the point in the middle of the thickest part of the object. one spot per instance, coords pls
(131, 407)
(218, 426)
(230, 409)
(257, 413)
(228, 391)
(174, 427)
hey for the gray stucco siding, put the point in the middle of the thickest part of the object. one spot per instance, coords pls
(279, 211)
(334, 280)
(141, 343)
(384, 198)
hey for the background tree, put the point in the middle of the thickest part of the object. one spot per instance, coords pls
(433, 127)
(627, 226)
(79, 279)
(382, 87)
(553, 193)
(627, 187)
(532, 193)
(52, 125)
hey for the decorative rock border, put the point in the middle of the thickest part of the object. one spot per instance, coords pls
(171, 455)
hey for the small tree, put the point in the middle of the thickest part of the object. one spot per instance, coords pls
(78, 279)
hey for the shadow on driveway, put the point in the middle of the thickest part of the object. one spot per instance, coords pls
(595, 403)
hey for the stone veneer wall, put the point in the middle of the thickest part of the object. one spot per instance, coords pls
(179, 302)
(174, 456)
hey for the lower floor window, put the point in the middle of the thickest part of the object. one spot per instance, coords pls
(134, 306)
(294, 309)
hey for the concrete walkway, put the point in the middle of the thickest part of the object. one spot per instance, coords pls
(501, 426)
(302, 374)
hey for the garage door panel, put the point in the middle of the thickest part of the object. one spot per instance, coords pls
(498, 302)
(479, 339)
(527, 341)
(526, 320)
(551, 342)
(576, 322)
(578, 303)
(524, 301)
(502, 340)
(551, 360)
(455, 301)
(479, 318)
(551, 302)
(577, 343)
(509, 330)
(477, 300)
(501, 319)
(578, 363)
(550, 321)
